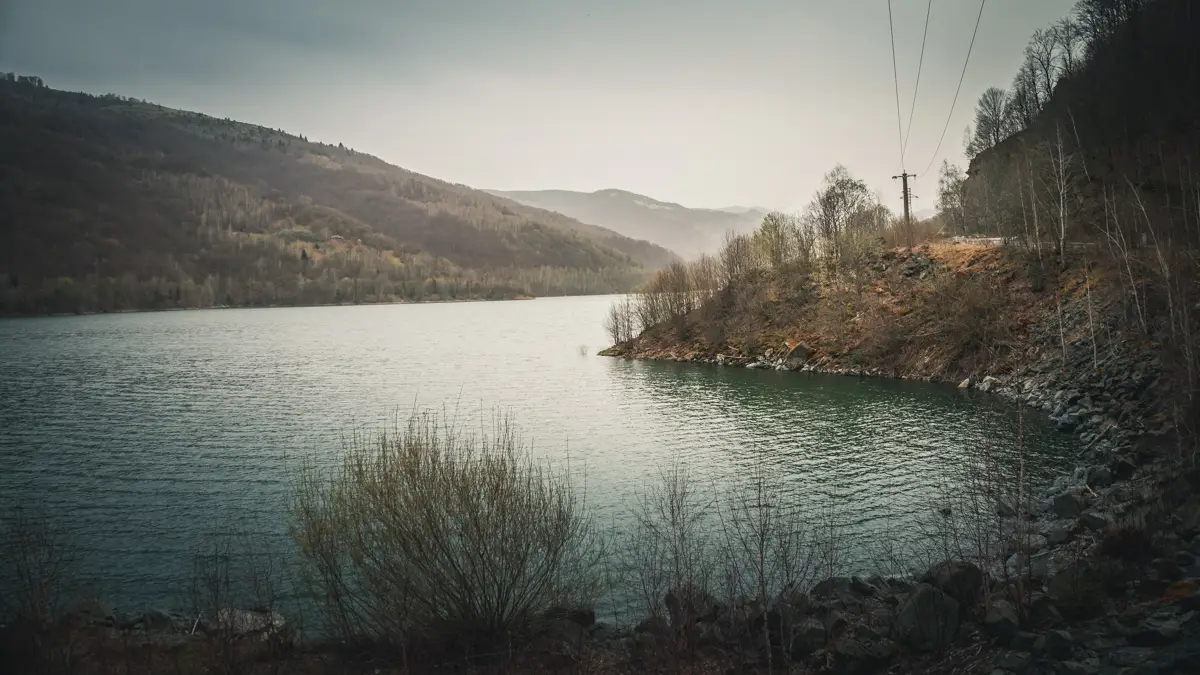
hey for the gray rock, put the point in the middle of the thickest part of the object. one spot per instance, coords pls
(830, 588)
(1067, 505)
(1130, 656)
(1058, 535)
(861, 656)
(1056, 644)
(1015, 662)
(1001, 621)
(1093, 520)
(566, 631)
(988, 384)
(1023, 641)
(1155, 631)
(807, 636)
(158, 620)
(1100, 476)
(1077, 668)
(958, 579)
(928, 619)
(1028, 543)
(965, 384)
(91, 612)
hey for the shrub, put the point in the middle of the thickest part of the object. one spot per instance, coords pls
(426, 533)
(37, 565)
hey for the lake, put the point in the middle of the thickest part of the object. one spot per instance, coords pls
(149, 433)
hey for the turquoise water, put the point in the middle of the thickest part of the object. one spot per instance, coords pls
(151, 433)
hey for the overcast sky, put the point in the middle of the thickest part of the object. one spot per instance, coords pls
(702, 102)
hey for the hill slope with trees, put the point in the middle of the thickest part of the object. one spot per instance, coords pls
(1086, 170)
(109, 203)
(688, 232)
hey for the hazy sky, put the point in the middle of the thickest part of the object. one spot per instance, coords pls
(702, 102)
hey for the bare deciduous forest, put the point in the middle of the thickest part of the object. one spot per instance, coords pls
(113, 204)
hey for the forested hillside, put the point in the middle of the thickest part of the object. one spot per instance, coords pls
(688, 232)
(107, 203)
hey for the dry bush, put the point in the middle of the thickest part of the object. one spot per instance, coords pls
(428, 534)
(963, 321)
(667, 549)
(37, 566)
(621, 322)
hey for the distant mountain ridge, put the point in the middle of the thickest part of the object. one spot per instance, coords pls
(686, 231)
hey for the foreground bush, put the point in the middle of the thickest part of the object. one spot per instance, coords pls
(432, 535)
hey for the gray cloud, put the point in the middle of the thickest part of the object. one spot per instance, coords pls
(705, 102)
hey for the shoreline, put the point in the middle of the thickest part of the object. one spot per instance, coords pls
(299, 306)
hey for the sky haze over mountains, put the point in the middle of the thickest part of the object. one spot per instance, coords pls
(706, 103)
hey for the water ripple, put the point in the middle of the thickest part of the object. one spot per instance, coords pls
(150, 432)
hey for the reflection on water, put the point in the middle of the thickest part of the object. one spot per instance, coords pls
(151, 432)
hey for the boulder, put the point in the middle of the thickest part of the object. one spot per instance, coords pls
(90, 613)
(988, 384)
(1055, 644)
(1093, 520)
(1001, 621)
(565, 631)
(796, 356)
(1057, 534)
(1155, 631)
(958, 579)
(807, 636)
(928, 619)
(1043, 612)
(1028, 543)
(1100, 476)
(854, 656)
(1014, 662)
(157, 620)
(1067, 505)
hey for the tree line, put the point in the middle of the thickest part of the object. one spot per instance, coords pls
(833, 238)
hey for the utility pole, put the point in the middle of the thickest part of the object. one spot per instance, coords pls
(907, 195)
(904, 176)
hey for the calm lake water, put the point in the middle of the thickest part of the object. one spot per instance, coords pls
(150, 433)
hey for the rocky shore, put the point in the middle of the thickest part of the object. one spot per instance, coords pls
(1106, 580)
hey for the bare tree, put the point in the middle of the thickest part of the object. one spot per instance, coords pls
(1041, 57)
(951, 202)
(991, 121)
(1068, 43)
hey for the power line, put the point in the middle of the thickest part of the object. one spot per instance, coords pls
(896, 80)
(959, 89)
(917, 88)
